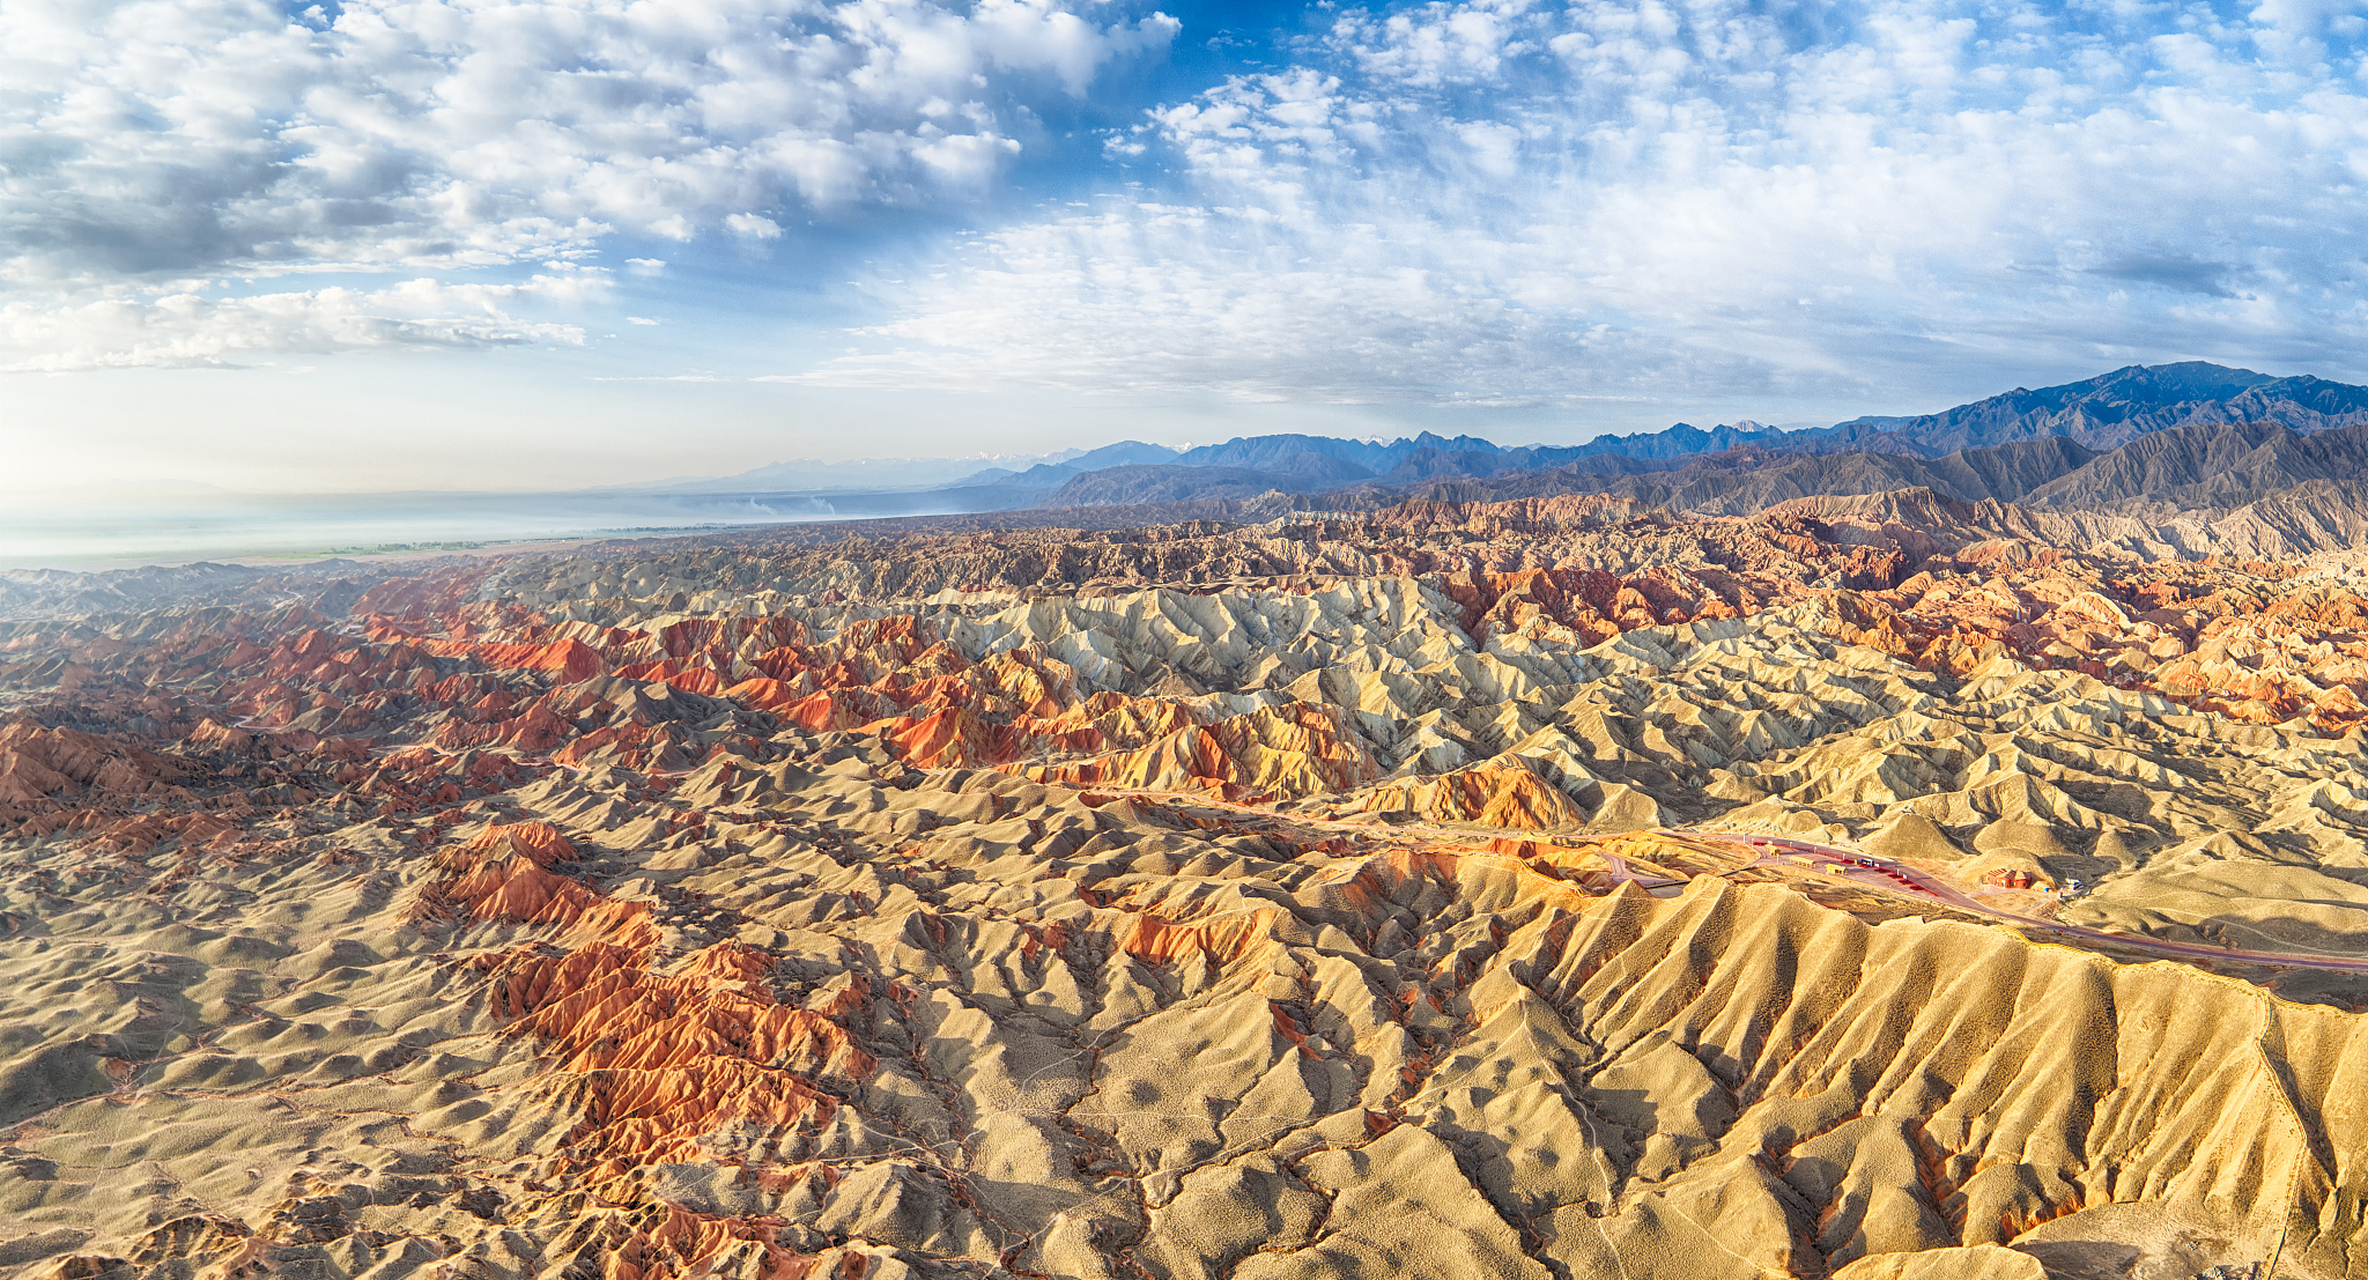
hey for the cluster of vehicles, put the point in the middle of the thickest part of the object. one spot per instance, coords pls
(1832, 862)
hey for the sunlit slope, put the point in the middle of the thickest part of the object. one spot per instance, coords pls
(1075, 1036)
(1193, 910)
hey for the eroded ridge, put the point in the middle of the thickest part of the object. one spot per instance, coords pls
(1323, 923)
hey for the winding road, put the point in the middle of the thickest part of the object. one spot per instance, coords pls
(1884, 875)
(1860, 870)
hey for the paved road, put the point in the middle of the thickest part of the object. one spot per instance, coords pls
(1893, 877)
(1864, 872)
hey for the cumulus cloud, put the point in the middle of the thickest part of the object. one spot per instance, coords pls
(167, 144)
(196, 136)
(1504, 200)
(188, 329)
(753, 226)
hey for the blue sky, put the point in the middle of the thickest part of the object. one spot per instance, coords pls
(464, 244)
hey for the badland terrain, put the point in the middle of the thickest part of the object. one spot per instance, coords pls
(1930, 847)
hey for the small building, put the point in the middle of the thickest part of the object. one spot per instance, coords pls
(2008, 878)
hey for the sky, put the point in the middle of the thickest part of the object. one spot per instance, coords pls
(475, 245)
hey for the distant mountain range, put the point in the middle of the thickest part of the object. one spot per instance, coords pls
(2112, 410)
(2189, 434)
(2207, 464)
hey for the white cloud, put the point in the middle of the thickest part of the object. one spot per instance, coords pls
(640, 320)
(148, 137)
(646, 266)
(749, 226)
(165, 144)
(1512, 201)
(1440, 43)
(186, 329)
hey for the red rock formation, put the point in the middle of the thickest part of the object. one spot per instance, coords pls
(699, 1063)
(1155, 939)
(42, 770)
(568, 659)
(505, 874)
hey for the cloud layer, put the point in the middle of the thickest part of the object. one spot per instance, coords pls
(190, 329)
(149, 148)
(1486, 202)
(201, 136)
(1504, 200)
